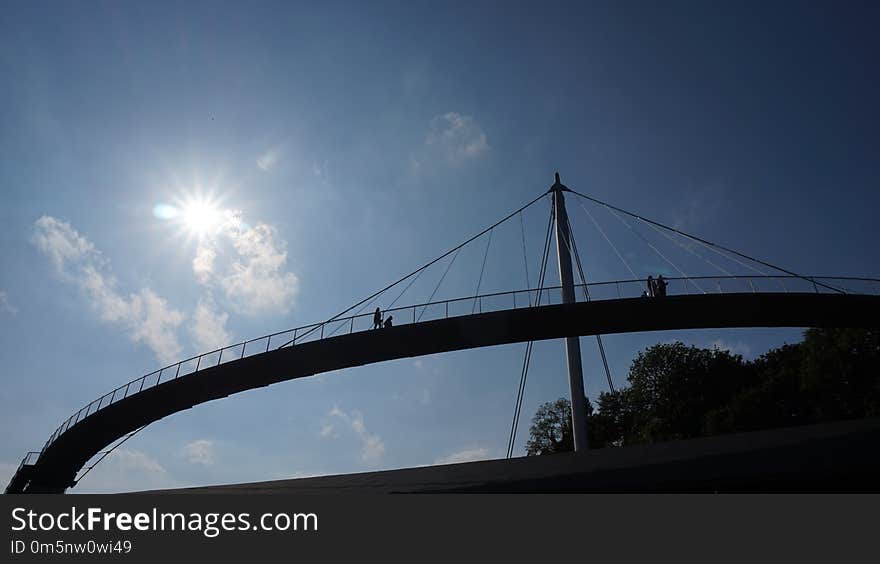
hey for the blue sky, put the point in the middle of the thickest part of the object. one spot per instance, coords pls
(345, 144)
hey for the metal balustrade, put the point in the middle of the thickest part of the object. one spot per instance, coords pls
(443, 309)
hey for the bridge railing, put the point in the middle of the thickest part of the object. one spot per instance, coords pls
(456, 307)
(28, 460)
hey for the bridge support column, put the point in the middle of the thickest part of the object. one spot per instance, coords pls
(572, 344)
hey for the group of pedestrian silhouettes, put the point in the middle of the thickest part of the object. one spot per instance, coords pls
(656, 288)
(377, 320)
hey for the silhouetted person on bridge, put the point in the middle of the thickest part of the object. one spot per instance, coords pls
(388, 321)
(377, 318)
(651, 289)
(661, 286)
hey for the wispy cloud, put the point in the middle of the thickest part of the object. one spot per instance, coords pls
(467, 455)
(458, 136)
(258, 281)
(203, 263)
(199, 452)
(733, 348)
(146, 317)
(425, 367)
(372, 447)
(5, 305)
(127, 470)
(253, 274)
(268, 160)
(209, 327)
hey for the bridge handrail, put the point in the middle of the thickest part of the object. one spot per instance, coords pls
(305, 330)
(29, 459)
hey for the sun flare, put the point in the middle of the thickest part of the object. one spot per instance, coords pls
(201, 216)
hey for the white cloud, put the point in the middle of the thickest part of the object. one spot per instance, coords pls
(320, 169)
(257, 281)
(153, 323)
(209, 327)
(425, 367)
(468, 455)
(146, 317)
(733, 348)
(458, 136)
(61, 243)
(268, 160)
(328, 431)
(199, 452)
(126, 470)
(251, 270)
(5, 306)
(203, 263)
(372, 447)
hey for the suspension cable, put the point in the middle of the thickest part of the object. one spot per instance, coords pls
(656, 250)
(528, 353)
(356, 313)
(105, 453)
(411, 282)
(482, 269)
(688, 249)
(707, 243)
(580, 268)
(414, 272)
(599, 228)
(522, 228)
(437, 287)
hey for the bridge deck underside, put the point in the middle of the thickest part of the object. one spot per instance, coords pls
(57, 466)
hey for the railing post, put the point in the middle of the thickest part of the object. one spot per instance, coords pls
(414, 314)
(351, 329)
(143, 379)
(322, 330)
(447, 308)
(160, 376)
(198, 363)
(269, 340)
(815, 288)
(125, 395)
(177, 372)
(243, 345)
(219, 357)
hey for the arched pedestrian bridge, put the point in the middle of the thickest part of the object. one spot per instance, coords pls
(442, 326)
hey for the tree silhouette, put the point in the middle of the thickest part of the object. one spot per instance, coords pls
(678, 392)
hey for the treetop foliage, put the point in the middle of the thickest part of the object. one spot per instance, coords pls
(677, 391)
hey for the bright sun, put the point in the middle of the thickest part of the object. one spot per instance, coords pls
(201, 216)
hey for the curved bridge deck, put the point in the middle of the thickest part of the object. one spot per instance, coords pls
(65, 454)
